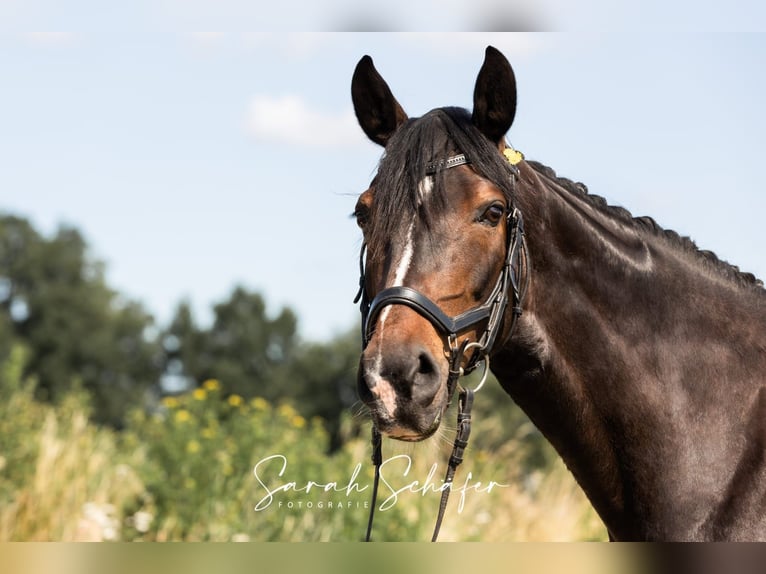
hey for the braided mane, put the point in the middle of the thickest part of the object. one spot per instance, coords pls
(446, 131)
(649, 224)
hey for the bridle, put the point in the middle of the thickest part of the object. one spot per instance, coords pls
(508, 286)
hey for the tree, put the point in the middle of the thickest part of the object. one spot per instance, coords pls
(253, 354)
(77, 330)
(324, 376)
(244, 348)
(250, 350)
(186, 356)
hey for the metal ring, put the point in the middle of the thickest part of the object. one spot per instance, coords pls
(485, 358)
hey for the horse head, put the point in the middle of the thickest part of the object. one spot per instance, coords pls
(439, 223)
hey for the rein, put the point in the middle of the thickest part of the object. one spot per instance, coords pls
(508, 286)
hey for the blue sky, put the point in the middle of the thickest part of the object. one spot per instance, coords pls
(196, 161)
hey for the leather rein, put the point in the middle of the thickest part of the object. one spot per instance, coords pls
(508, 286)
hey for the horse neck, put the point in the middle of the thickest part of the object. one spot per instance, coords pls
(596, 362)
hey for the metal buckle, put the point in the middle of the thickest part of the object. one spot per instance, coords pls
(485, 358)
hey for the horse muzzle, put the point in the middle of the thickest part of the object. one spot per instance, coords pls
(404, 389)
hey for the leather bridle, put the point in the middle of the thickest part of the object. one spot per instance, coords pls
(492, 311)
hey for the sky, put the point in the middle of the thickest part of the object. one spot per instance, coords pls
(193, 162)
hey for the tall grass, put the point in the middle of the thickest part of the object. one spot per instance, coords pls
(61, 477)
(185, 472)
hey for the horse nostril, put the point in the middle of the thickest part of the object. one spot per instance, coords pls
(425, 364)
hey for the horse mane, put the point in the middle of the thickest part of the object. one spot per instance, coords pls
(447, 131)
(649, 224)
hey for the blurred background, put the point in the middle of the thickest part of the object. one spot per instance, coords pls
(177, 260)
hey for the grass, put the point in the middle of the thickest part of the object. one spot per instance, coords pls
(185, 472)
(64, 480)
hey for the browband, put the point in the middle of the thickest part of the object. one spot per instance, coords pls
(454, 161)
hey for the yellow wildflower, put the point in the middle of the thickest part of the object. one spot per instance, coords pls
(207, 432)
(212, 385)
(170, 402)
(287, 411)
(182, 416)
(259, 404)
(234, 400)
(192, 447)
(298, 422)
(189, 483)
(199, 394)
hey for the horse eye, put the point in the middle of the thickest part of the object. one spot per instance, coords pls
(362, 214)
(494, 214)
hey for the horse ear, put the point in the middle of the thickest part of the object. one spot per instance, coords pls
(494, 96)
(377, 110)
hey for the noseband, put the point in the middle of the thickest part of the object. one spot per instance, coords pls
(492, 311)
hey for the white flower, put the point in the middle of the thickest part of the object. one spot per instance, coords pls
(142, 520)
(240, 537)
(98, 523)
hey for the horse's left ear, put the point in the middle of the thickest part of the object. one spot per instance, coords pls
(494, 96)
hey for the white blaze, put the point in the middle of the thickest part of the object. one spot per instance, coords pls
(381, 388)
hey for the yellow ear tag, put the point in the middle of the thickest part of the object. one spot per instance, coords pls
(513, 156)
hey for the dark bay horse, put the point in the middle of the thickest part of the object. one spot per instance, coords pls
(640, 358)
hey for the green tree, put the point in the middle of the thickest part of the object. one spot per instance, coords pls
(250, 350)
(323, 377)
(256, 355)
(186, 355)
(78, 331)
(244, 347)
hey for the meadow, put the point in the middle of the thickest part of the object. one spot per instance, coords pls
(211, 466)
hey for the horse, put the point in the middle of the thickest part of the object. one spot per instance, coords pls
(640, 357)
